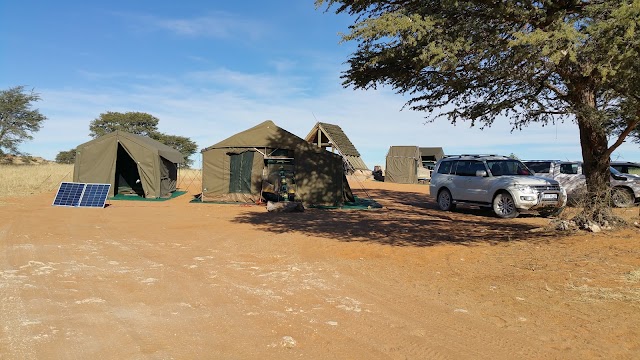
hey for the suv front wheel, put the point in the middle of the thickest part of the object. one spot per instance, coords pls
(445, 201)
(504, 206)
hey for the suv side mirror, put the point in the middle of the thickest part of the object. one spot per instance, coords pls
(481, 173)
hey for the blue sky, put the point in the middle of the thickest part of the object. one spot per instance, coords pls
(208, 70)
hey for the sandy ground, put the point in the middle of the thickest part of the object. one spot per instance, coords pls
(174, 280)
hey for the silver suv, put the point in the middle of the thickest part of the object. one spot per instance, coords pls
(497, 182)
(625, 187)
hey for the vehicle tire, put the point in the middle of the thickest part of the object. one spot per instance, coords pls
(622, 197)
(504, 206)
(445, 201)
(551, 212)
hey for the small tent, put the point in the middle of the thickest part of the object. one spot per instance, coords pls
(266, 162)
(326, 136)
(130, 163)
(402, 164)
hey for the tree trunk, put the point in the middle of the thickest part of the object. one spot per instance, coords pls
(595, 156)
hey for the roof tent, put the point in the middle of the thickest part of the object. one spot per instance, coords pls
(325, 136)
(431, 153)
(130, 163)
(266, 162)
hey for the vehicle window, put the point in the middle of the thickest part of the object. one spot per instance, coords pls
(476, 166)
(634, 170)
(507, 167)
(539, 167)
(445, 167)
(467, 167)
(463, 168)
(569, 169)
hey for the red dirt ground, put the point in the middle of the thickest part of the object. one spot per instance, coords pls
(175, 280)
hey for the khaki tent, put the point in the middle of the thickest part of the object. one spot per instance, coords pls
(266, 162)
(402, 164)
(130, 163)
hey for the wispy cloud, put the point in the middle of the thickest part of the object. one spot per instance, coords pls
(219, 25)
(263, 85)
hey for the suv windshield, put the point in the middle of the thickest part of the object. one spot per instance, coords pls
(507, 167)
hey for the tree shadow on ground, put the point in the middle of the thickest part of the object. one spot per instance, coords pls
(406, 219)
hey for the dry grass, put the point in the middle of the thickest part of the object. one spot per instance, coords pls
(633, 276)
(20, 180)
(190, 180)
(596, 294)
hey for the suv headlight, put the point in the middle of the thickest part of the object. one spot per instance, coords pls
(525, 189)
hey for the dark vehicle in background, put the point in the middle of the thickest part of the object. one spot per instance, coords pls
(626, 167)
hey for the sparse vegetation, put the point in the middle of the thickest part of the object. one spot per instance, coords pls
(20, 180)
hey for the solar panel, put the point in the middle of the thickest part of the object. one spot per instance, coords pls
(81, 195)
(94, 195)
(69, 194)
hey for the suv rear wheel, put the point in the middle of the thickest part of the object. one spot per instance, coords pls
(622, 197)
(504, 206)
(445, 202)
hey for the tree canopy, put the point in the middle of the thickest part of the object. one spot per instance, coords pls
(531, 61)
(66, 157)
(17, 118)
(138, 123)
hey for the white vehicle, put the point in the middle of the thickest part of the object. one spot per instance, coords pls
(625, 187)
(497, 182)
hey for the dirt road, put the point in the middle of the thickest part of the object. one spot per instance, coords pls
(175, 280)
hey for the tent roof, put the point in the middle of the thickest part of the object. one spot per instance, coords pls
(436, 152)
(336, 136)
(338, 140)
(404, 151)
(163, 150)
(266, 134)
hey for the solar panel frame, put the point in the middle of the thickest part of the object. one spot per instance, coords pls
(90, 195)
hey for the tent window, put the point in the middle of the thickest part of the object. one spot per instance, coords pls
(240, 174)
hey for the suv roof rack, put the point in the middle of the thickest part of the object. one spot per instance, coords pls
(474, 155)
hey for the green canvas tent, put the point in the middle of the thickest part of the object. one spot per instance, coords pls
(402, 164)
(266, 162)
(130, 163)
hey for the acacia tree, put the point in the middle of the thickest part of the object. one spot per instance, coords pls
(133, 122)
(184, 145)
(17, 119)
(66, 157)
(531, 61)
